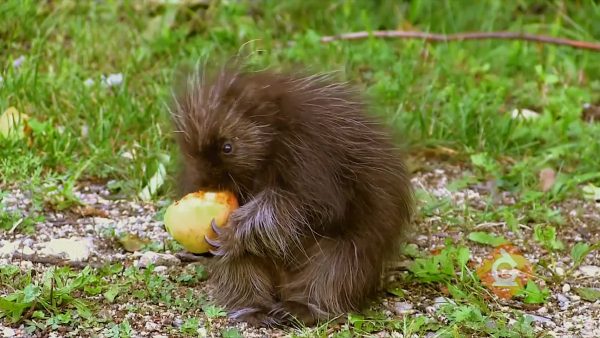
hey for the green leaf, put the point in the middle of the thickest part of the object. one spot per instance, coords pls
(190, 326)
(487, 238)
(551, 79)
(13, 309)
(579, 252)
(396, 291)
(456, 292)
(356, 320)
(591, 192)
(589, 294)
(546, 235)
(231, 333)
(466, 314)
(212, 311)
(484, 161)
(82, 310)
(31, 293)
(533, 294)
(443, 266)
(111, 293)
(411, 250)
(463, 256)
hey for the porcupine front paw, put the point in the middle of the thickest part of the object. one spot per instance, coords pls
(257, 317)
(224, 244)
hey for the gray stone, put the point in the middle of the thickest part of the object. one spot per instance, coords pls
(155, 258)
(590, 270)
(7, 249)
(75, 249)
(403, 307)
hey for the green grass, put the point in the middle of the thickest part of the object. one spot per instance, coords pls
(455, 95)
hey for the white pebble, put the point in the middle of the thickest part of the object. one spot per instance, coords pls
(8, 332)
(566, 288)
(7, 249)
(403, 307)
(561, 298)
(151, 326)
(112, 80)
(156, 258)
(74, 249)
(590, 270)
(160, 269)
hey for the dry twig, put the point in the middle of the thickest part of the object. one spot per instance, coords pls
(432, 37)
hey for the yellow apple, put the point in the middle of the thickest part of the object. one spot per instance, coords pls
(188, 220)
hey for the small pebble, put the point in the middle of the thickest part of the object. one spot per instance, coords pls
(151, 326)
(402, 307)
(112, 80)
(590, 270)
(156, 258)
(202, 332)
(177, 322)
(160, 269)
(542, 320)
(74, 249)
(7, 249)
(566, 288)
(561, 298)
(8, 332)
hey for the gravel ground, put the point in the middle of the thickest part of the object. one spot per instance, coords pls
(565, 315)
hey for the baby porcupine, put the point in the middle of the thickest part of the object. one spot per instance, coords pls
(324, 195)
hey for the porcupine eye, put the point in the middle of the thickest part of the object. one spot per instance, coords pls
(227, 148)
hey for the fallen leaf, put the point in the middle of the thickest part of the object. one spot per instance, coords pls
(89, 211)
(13, 123)
(547, 178)
(132, 242)
(505, 272)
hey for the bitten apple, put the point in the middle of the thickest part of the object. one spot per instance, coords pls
(188, 220)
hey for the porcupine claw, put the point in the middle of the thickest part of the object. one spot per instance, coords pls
(212, 242)
(215, 227)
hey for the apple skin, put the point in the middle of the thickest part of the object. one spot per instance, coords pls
(188, 219)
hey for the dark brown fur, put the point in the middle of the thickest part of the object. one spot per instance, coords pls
(325, 197)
